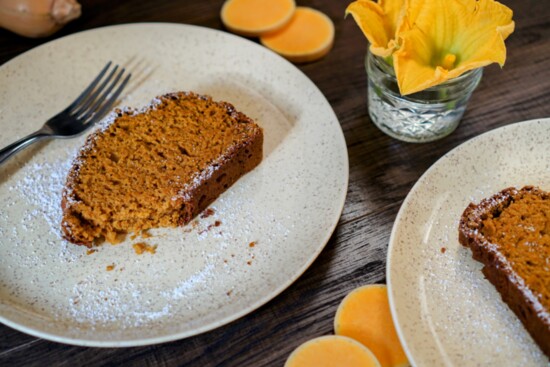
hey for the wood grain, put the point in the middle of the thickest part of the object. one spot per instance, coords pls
(382, 171)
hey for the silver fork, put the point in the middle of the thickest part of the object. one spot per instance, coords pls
(83, 113)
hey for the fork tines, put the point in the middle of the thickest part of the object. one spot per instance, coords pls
(96, 100)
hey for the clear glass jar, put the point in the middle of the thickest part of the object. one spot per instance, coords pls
(419, 117)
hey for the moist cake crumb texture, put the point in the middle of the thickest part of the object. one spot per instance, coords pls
(521, 232)
(158, 167)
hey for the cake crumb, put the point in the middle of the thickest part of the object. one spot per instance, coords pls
(110, 267)
(142, 247)
(210, 226)
(90, 251)
(443, 249)
(143, 234)
(208, 212)
(252, 244)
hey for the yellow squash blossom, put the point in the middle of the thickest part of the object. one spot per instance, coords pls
(379, 22)
(441, 39)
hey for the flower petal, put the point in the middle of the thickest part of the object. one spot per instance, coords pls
(412, 63)
(496, 13)
(394, 11)
(378, 21)
(441, 39)
(482, 40)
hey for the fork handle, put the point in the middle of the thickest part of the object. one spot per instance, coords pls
(20, 144)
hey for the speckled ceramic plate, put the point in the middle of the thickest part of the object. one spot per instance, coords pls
(446, 312)
(263, 233)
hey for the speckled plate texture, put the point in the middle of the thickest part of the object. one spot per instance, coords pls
(262, 233)
(446, 312)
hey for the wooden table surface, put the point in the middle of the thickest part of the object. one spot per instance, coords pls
(382, 171)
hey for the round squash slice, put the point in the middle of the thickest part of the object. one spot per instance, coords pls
(307, 37)
(332, 351)
(364, 315)
(252, 18)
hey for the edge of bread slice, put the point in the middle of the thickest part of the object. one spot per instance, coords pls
(515, 291)
(157, 167)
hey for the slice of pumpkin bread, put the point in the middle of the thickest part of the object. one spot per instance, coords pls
(510, 234)
(158, 167)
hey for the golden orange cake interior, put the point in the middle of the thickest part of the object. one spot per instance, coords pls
(522, 234)
(158, 167)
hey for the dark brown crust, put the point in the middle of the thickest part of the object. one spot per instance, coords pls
(207, 185)
(496, 267)
(225, 172)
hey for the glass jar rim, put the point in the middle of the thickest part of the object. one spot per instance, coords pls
(386, 68)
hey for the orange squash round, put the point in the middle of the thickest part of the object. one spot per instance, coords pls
(332, 351)
(364, 315)
(307, 37)
(252, 18)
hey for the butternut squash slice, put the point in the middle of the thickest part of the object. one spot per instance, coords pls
(332, 351)
(364, 315)
(307, 37)
(252, 18)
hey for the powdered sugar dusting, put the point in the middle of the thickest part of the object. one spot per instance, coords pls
(42, 189)
(96, 305)
(194, 281)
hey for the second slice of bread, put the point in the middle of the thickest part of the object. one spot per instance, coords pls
(509, 233)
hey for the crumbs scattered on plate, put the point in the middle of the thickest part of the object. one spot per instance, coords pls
(142, 247)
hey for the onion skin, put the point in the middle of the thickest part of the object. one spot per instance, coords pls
(37, 18)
